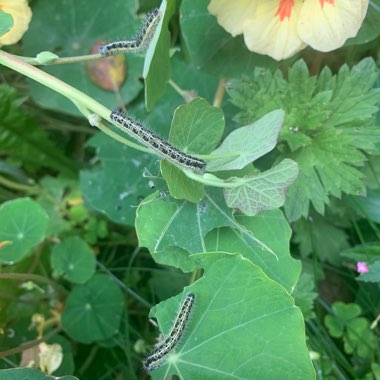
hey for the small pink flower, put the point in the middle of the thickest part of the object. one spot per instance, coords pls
(362, 267)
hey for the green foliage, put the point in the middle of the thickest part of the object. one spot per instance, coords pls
(22, 227)
(304, 295)
(6, 22)
(73, 260)
(328, 123)
(355, 331)
(73, 33)
(236, 320)
(22, 137)
(93, 310)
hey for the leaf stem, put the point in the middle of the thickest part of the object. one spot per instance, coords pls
(17, 186)
(60, 61)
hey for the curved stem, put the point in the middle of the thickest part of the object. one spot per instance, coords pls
(60, 61)
(18, 186)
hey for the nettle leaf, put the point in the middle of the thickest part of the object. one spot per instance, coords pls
(117, 186)
(6, 22)
(93, 310)
(23, 225)
(329, 123)
(266, 191)
(157, 61)
(197, 127)
(251, 330)
(23, 139)
(172, 229)
(29, 374)
(246, 144)
(74, 260)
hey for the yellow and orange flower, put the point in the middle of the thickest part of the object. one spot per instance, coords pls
(22, 14)
(281, 28)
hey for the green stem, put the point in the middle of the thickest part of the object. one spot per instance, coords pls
(17, 186)
(60, 61)
(81, 100)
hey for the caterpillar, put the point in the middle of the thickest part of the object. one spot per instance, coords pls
(141, 41)
(161, 147)
(162, 349)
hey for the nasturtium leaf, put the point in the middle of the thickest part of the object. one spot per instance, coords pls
(67, 366)
(179, 185)
(163, 222)
(246, 144)
(23, 225)
(93, 310)
(265, 191)
(272, 228)
(368, 206)
(196, 128)
(6, 22)
(74, 260)
(29, 374)
(243, 325)
(117, 186)
(213, 49)
(73, 29)
(157, 61)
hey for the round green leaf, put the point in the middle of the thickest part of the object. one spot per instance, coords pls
(74, 260)
(22, 226)
(29, 374)
(93, 310)
(242, 326)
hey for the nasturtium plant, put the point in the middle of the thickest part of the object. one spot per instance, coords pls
(74, 260)
(23, 225)
(93, 310)
(171, 202)
(237, 311)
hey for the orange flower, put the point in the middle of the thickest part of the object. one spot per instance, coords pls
(22, 14)
(281, 28)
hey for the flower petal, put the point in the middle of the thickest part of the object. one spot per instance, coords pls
(273, 29)
(325, 25)
(22, 14)
(232, 14)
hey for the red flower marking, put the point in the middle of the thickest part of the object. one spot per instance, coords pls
(332, 2)
(285, 9)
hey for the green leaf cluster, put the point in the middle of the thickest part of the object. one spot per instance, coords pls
(329, 126)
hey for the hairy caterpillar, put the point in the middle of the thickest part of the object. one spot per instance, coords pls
(141, 41)
(163, 148)
(162, 349)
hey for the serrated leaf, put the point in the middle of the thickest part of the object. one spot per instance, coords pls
(246, 144)
(6, 22)
(22, 225)
(329, 123)
(117, 186)
(74, 260)
(157, 61)
(93, 310)
(29, 374)
(266, 191)
(373, 274)
(244, 332)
